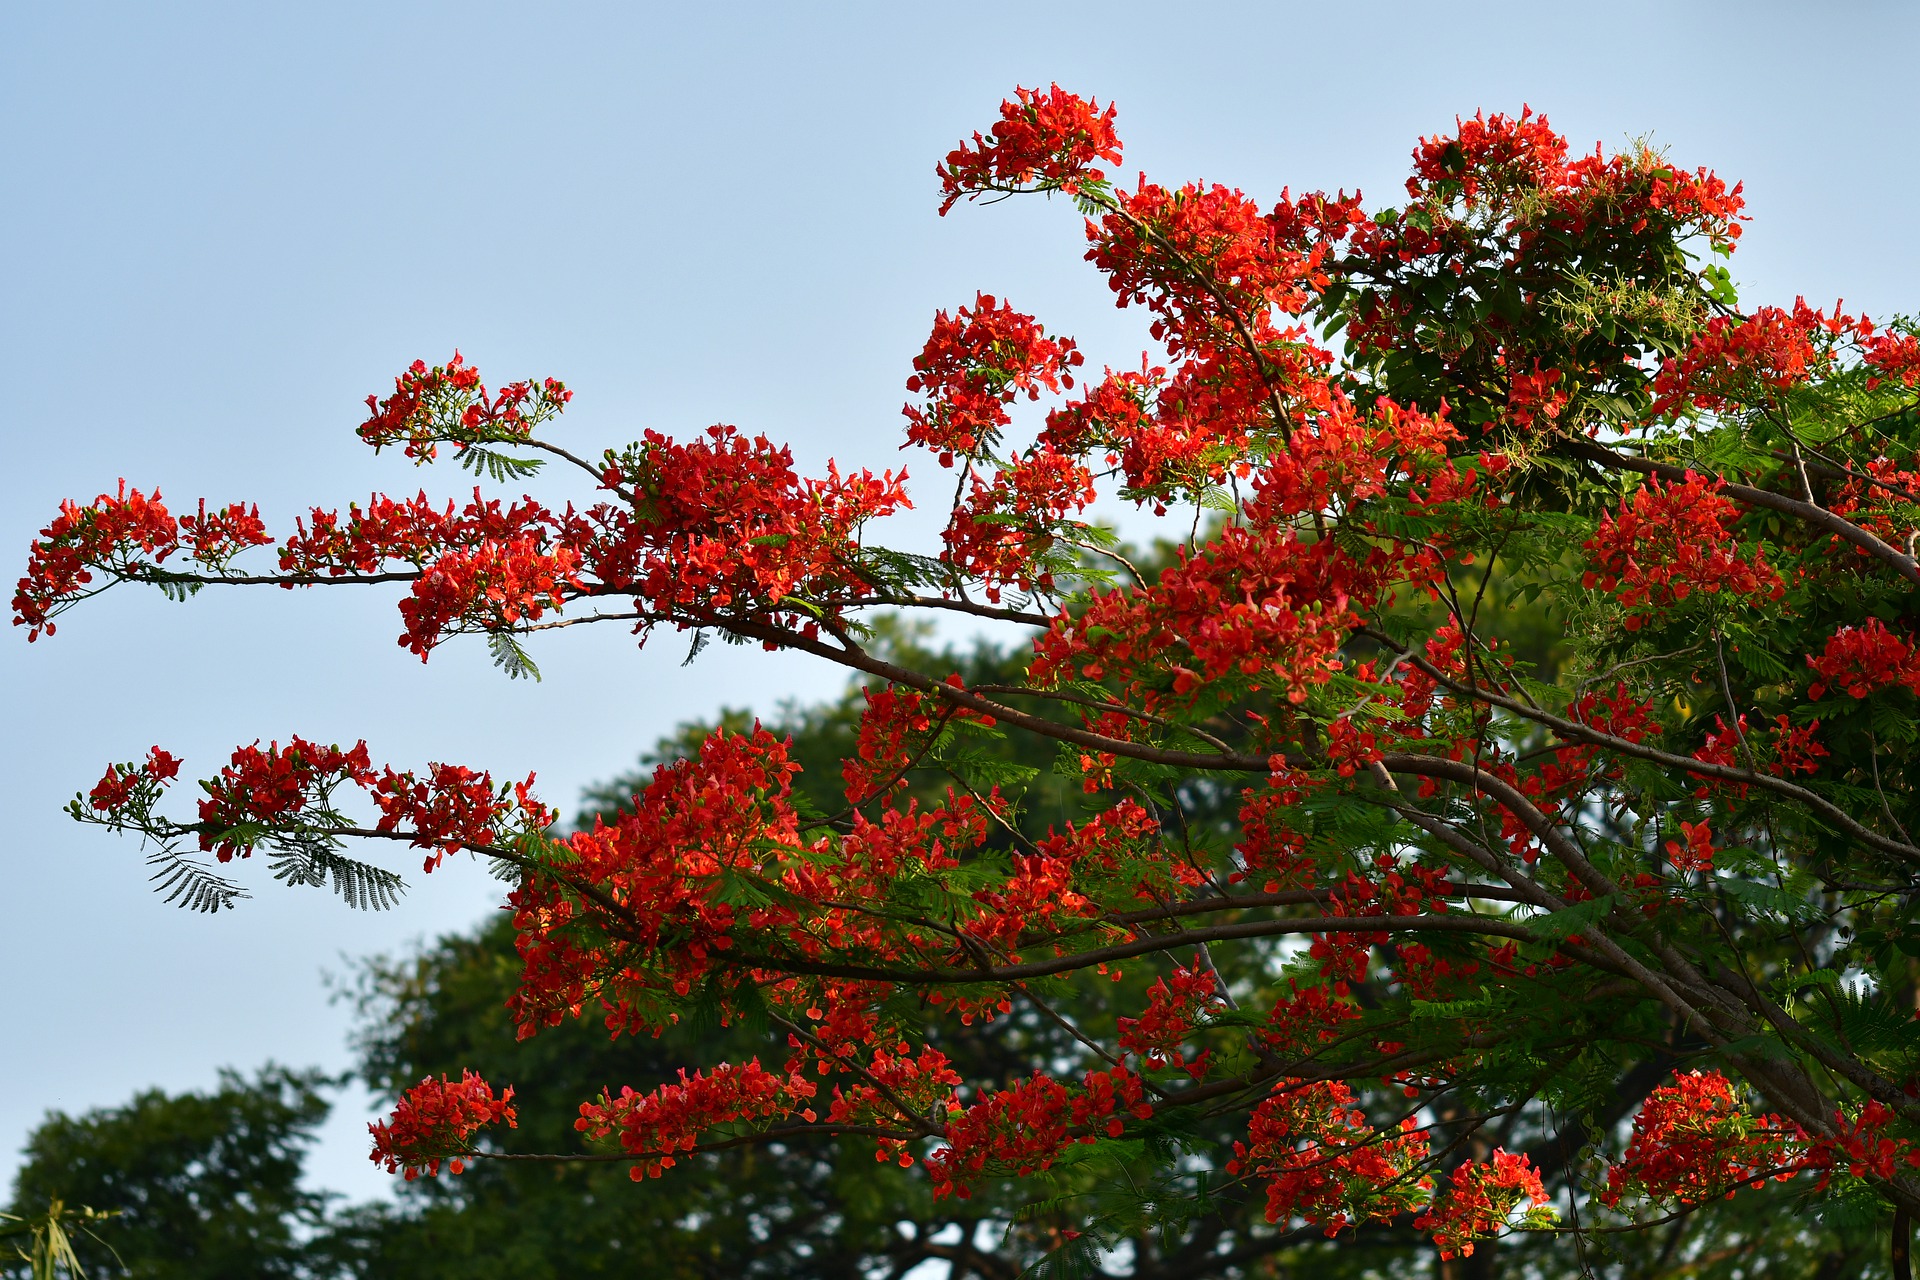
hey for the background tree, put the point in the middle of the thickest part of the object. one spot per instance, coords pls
(1424, 924)
(199, 1184)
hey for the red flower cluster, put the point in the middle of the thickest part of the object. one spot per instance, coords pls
(1340, 456)
(1881, 498)
(1640, 188)
(1863, 1146)
(126, 534)
(1205, 258)
(261, 791)
(215, 539)
(1732, 361)
(1040, 888)
(896, 728)
(449, 404)
(917, 1081)
(1150, 432)
(1326, 1163)
(722, 523)
(1261, 605)
(1784, 751)
(1176, 1007)
(1480, 1201)
(1214, 272)
(975, 363)
(1269, 844)
(1000, 532)
(1301, 1022)
(1499, 206)
(436, 1120)
(1693, 1140)
(873, 852)
(454, 807)
(258, 789)
(414, 532)
(1864, 660)
(656, 1126)
(129, 786)
(662, 867)
(1048, 139)
(1670, 541)
(1026, 1127)
(1502, 161)
(492, 587)
(1499, 153)
(1892, 355)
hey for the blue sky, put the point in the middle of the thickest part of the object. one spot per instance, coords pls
(225, 225)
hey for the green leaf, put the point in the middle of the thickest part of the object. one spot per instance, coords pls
(510, 657)
(193, 885)
(498, 467)
(363, 886)
(1568, 921)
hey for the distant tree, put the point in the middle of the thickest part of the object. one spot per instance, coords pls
(201, 1185)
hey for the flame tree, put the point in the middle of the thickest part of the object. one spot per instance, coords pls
(1455, 943)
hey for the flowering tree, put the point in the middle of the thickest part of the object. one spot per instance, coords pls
(1456, 943)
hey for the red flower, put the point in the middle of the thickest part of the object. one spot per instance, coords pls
(1693, 1140)
(1732, 361)
(1893, 355)
(1325, 1162)
(1696, 852)
(654, 1127)
(436, 1120)
(1498, 152)
(449, 404)
(1047, 139)
(1478, 1203)
(975, 363)
(1863, 660)
(1671, 540)
(118, 533)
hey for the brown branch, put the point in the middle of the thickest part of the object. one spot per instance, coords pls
(993, 612)
(1840, 527)
(765, 1135)
(167, 577)
(1146, 717)
(1137, 947)
(1574, 731)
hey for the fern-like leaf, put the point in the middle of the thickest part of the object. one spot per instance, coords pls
(1075, 1259)
(511, 657)
(193, 885)
(700, 641)
(364, 886)
(499, 467)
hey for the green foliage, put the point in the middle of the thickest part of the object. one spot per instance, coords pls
(201, 1185)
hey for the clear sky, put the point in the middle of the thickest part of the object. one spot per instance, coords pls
(224, 225)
